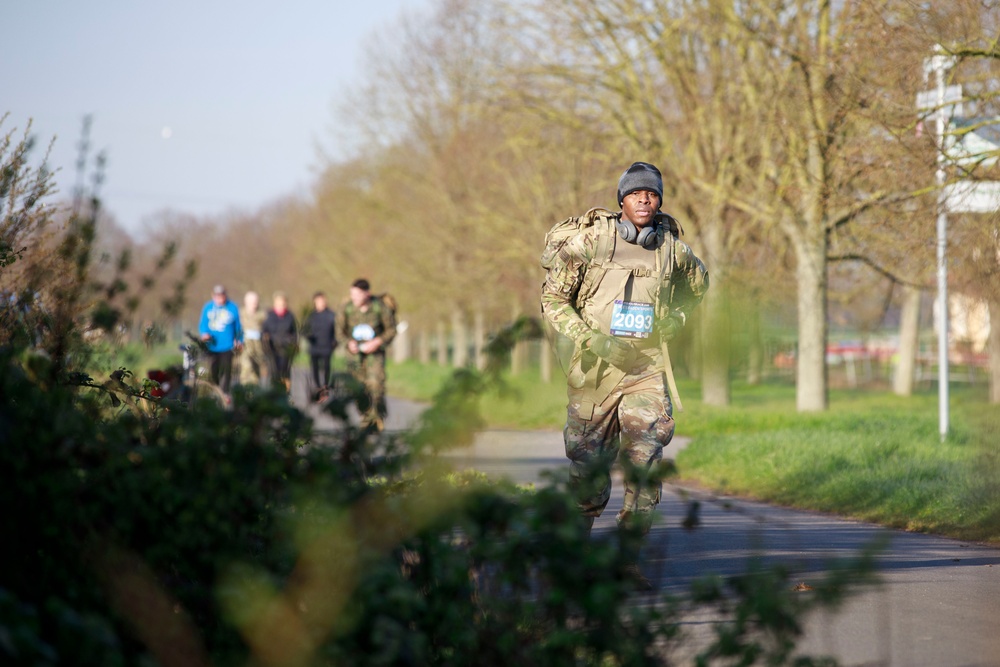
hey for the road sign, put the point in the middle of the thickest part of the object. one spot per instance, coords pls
(973, 197)
(951, 102)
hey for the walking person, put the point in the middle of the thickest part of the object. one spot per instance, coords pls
(219, 328)
(253, 357)
(368, 324)
(280, 332)
(620, 286)
(321, 331)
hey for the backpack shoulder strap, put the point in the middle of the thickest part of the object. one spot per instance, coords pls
(604, 226)
(667, 257)
(669, 223)
(600, 220)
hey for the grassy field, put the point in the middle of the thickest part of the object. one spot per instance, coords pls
(873, 456)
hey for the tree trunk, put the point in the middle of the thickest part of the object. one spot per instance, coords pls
(715, 352)
(479, 342)
(518, 354)
(716, 346)
(546, 359)
(993, 346)
(693, 354)
(909, 333)
(401, 344)
(424, 347)
(811, 371)
(460, 340)
(442, 344)
(755, 348)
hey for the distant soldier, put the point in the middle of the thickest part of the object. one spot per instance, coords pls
(220, 330)
(320, 330)
(368, 324)
(619, 286)
(281, 334)
(253, 358)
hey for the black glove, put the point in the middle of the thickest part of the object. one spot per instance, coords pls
(670, 326)
(613, 350)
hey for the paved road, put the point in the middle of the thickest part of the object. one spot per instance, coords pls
(938, 605)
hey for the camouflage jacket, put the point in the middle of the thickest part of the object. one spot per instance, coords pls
(253, 323)
(577, 253)
(379, 317)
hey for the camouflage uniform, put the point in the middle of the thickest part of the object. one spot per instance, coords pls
(378, 321)
(591, 273)
(253, 358)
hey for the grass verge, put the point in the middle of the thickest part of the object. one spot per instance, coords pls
(873, 456)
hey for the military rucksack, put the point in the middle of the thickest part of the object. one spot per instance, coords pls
(377, 304)
(389, 302)
(603, 223)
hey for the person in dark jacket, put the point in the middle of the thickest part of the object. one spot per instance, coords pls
(280, 332)
(320, 330)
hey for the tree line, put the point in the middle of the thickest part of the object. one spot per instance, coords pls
(791, 148)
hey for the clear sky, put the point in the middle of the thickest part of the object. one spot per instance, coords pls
(200, 105)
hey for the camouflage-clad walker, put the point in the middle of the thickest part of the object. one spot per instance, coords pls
(617, 286)
(253, 358)
(368, 325)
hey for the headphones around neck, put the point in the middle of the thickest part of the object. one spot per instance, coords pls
(646, 237)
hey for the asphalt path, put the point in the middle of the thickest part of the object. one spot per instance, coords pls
(937, 604)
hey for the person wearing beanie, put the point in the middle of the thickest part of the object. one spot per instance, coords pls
(640, 176)
(618, 287)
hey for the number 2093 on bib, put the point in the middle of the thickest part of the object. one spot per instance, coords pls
(632, 319)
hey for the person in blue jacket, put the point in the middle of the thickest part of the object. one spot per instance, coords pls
(222, 333)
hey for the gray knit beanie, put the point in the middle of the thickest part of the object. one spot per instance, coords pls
(640, 176)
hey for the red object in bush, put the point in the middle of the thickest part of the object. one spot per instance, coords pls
(163, 378)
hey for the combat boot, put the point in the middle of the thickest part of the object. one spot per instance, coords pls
(633, 573)
(632, 532)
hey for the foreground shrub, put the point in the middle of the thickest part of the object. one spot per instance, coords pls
(207, 536)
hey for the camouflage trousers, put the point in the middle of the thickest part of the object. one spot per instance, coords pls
(253, 362)
(635, 422)
(369, 369)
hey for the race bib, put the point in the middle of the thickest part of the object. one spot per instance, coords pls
(632, 319)
(251, 334)
(362, 333)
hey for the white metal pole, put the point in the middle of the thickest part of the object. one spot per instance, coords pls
(940, 62)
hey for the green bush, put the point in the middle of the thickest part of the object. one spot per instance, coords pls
(213, 536)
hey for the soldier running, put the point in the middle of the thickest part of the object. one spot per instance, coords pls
(620, 286)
